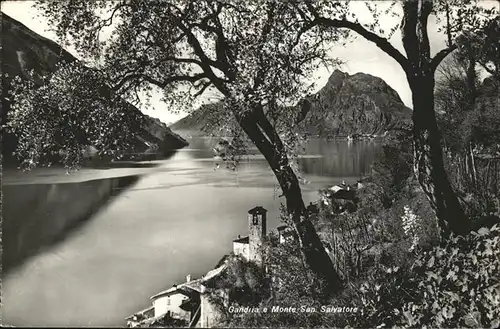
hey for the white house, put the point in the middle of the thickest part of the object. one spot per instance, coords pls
(249, 247)
(170, 301)
(285, 233)
(241, 247)
(189, 301)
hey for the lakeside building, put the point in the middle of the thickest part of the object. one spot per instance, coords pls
(285, 234)
(249, 247)
(189, 304)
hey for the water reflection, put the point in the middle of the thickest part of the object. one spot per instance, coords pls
(339, 158)
(330, 158)
(37, 216)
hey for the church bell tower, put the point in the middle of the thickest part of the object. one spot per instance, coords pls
(256, 232)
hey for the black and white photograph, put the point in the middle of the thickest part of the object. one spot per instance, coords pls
(250, 164)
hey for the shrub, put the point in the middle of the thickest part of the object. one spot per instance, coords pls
(455, 285)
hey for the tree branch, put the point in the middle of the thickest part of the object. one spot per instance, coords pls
(265, 31)
(409, 31)
(156, 82)
(379, 41)
(222, 49)
(203, 88)
(448, 24)
(424, 11)
(109, 21)
(438, 58)
(205, 62)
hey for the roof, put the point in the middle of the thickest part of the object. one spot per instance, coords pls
(193, 285)
(336, 188)
(285, 229)
(245, 239)
(223, 260)
(282, 227)
(196, 285)
(257, 210)
(213, 273)
(149, 321)
(140, 313)
(171, 291)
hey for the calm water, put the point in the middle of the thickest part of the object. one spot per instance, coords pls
(178, 218)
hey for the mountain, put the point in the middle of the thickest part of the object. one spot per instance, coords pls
(24, 50)
(355, 104)
(197, 122)
(347, 105)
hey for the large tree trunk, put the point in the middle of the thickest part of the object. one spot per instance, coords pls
(428, 154)
(419, 69)
(428, 159)
(266, 139)
(312, 248)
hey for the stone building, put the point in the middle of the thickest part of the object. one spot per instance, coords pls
(285, 233)
(192, 302)
(250, 247)
(189, 303)
(172, 301)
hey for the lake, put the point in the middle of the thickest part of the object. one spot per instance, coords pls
(177, 216)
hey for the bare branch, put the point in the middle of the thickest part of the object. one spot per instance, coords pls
(203, 89)
(438, 58)
(205, 62)
(448, 24)
(159, 83)
(380, 42)
(109, 21)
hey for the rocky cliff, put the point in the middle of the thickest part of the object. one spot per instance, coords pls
(355, 104)
(347, 105)
(24, 50)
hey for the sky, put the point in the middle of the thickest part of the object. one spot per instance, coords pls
(359, 55)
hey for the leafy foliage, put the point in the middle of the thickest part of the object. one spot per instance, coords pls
(287, 284)
(469, 122)
(253, 49)
(454, 20)
(244, 281)
(455, 285)
(72, 110)
(484, 46)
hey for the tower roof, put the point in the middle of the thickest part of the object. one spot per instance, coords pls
(282, 228)
(257, 210)
(242, 240)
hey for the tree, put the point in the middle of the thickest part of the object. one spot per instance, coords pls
(467, 113)
(483, 46)
(58, 117)
(419, 67)
(256, 55)
(455, 99)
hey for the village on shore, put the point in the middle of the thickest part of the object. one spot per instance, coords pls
(188, 304)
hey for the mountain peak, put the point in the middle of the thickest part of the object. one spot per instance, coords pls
(355, 104)
(346, 105)
(337, 77)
